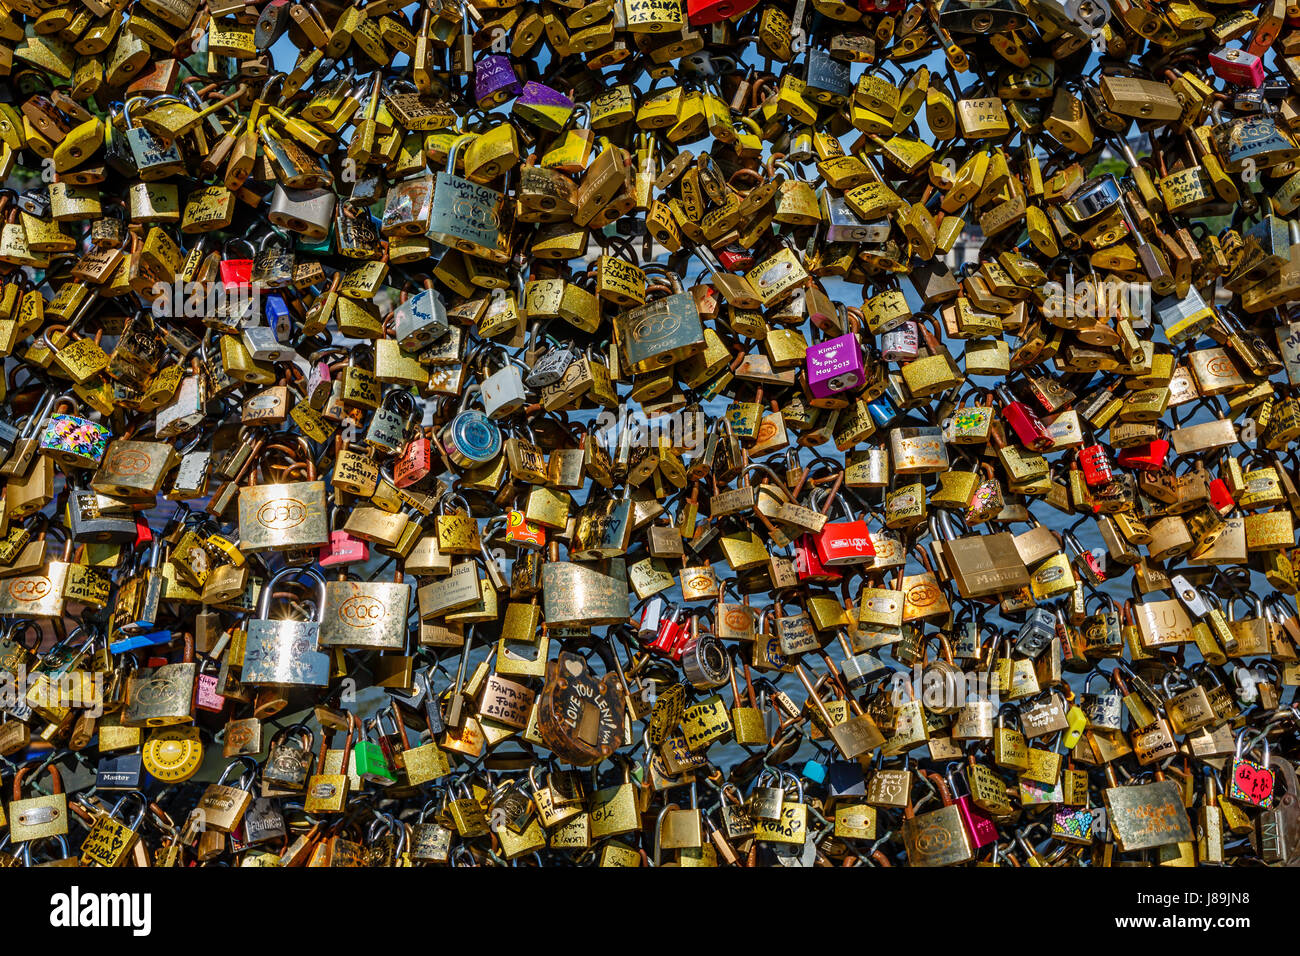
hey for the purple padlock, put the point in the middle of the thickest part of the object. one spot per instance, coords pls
(546, 108)
(835, 366)
(494, 81)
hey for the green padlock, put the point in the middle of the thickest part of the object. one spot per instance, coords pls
(370, 759)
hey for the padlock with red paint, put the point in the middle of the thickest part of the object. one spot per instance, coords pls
(901, 343)
(1088, 562)
(670, 628)
(735, 258)
(687, 632)
(1250, 780)
(1221, 499)
(844, 542)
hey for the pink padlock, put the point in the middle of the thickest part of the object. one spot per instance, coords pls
(834, 366)
(205, 691)
(1237, 66)
(978, 823)
(343, 549)
(319, 381)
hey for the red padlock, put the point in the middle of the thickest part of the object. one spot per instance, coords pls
(703, 12)
(1146, 457)
(844, 542)
(143, 533)
(237, 273)
(416, 460)
(1095, 465)
(1086, 561)
(808, 565)
(735, 258)
(670, 628)
(1221, 499)
(686, 633)
(1029, 429)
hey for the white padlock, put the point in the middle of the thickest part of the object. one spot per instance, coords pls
(504, 392)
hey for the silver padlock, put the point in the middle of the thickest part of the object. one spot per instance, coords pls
(844, 225)
(90, 523)
(900, 344)
(420, 319)
(1185, 318)
(191, 477)
(1092, 15)
(308, 212)
(549, 367)
(1036, 633)
(859, 670)
(263, 346)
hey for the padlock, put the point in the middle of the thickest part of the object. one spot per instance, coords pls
(285, 651)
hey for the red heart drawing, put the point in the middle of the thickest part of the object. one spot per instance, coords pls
(1254, 782)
